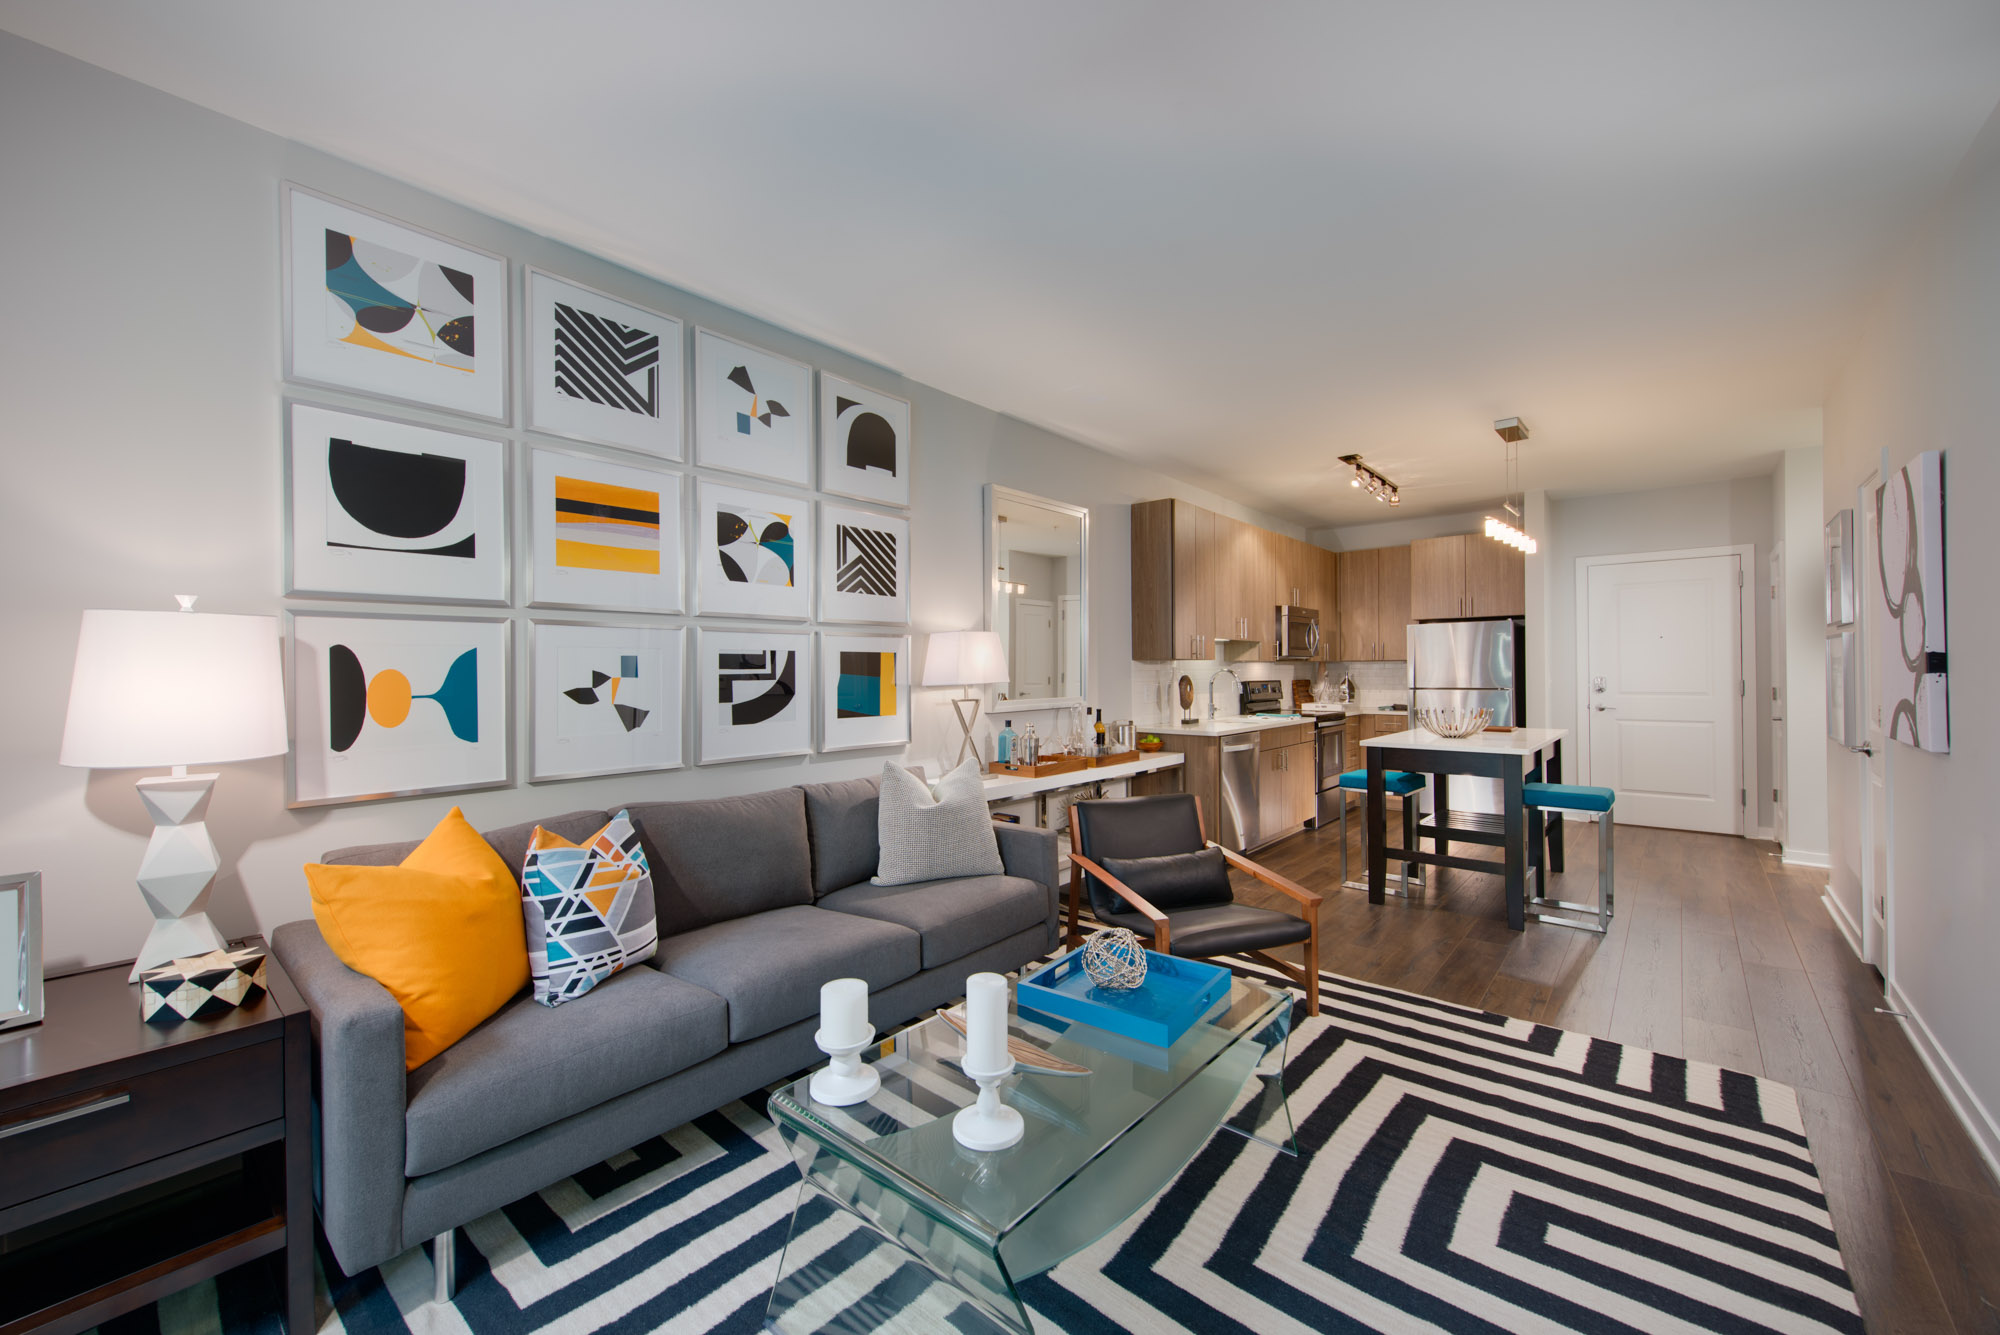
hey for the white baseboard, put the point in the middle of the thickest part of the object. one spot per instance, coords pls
(1805, 857)
(1976, 1116)
(1847, 925)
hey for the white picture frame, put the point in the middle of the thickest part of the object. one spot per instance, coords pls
(753, 410)
(20, 950)
(589, 541)
(402, 313)
(455, 736)
(864, 442)
(602, 370)
(739, 559)
(737, 675)
(844, 724)
(1909, 587)
(864, 564)
(381, 509)
(604, 699)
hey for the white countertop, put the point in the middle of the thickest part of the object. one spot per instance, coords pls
(1227, 725)
(1519, 742)
(1005, 787)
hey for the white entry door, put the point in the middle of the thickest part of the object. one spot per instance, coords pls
(1034, 646)
(1661, 700)
(1868, 609)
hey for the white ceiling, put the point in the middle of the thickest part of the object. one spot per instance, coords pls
(1234, 240)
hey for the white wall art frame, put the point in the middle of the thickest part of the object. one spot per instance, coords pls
(603, 534)
(753, 694)
(602, 370)
(604, 699)
(864, 566)
(753, 410)
(20, 950)
(864, 691)
(392, 706)
(864, 442)
(1909, 581)
(753, 553)
(385, 308)
(381, 509)
(1840, 569)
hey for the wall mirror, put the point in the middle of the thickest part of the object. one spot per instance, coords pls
(1037, 560)
(20, 949)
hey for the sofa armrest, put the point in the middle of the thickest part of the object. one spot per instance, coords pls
(1030, 852)
(357, 1029)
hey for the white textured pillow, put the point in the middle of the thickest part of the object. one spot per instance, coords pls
(926, 835)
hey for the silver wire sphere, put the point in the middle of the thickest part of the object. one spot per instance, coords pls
(1114, 958)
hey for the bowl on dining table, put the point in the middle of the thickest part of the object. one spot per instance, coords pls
(1454, 723)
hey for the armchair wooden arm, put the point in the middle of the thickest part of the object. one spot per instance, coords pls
(1284, 885)
(1307, 974)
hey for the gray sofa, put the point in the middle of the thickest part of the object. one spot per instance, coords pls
(760, 898)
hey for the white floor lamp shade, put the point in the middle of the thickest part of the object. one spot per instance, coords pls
(965, 658)
(175, 688)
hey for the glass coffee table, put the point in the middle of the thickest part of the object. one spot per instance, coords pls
(896, 1220)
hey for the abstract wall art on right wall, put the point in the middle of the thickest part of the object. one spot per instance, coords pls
(1910, 584)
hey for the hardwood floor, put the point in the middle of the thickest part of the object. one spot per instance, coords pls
(1721, 953)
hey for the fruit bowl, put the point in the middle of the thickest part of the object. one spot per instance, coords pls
(1150, 744)
(1454, 723)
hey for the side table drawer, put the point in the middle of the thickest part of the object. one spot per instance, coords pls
(58, 1144)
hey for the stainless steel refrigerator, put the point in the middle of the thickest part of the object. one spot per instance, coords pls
(1469, 665)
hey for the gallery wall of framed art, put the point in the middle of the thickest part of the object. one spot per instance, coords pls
(666, 516)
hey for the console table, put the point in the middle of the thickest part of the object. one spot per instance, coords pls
(138, 1159)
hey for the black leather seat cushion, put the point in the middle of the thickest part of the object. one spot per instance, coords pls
(1218, 929)
(1174, 881)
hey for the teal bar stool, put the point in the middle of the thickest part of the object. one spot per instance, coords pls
(1396, 783)
(1558, 797)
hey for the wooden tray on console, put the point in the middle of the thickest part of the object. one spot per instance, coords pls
(1114, 758)
(1041, 769)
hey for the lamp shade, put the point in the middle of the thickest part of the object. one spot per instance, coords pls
(174, 688)
(965, 658)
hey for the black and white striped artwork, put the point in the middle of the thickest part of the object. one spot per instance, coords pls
(867, 562)
(602, 370)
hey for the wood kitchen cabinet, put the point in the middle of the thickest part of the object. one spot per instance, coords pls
(1496, 579)
(1374, 599)
(1202, 581)
(1355, 572)
(1466, 575)
(1437, 577)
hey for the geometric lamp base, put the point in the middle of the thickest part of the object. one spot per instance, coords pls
(178, 870)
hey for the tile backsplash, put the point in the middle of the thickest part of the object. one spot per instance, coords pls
(1153, 683)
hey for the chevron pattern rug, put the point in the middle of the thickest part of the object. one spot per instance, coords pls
(1458, 1171)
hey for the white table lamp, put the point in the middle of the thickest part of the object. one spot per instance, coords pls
(965, 658)
(175, 688)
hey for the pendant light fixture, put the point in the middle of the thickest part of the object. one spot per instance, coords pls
(1513, 431)
(1372, 482)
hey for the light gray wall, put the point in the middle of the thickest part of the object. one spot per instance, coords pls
(1397, 532)
(141, 378)
(1797, 496)
(1711, 514)
(1925, 375)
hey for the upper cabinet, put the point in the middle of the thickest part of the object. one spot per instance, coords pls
(1203, 582)
(1374, 599)
(1466, 576)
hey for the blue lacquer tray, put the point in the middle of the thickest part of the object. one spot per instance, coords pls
(1176, 993)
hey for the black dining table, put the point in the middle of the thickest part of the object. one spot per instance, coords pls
(1508, 755)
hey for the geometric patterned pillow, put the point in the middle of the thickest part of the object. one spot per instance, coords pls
(588, 909)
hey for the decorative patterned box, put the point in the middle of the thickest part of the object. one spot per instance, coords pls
(201, 987)
(1175, 995)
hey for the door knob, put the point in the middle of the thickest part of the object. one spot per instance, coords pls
(1607, 708)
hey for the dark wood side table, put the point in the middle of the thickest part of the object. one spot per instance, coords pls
(138, 1159)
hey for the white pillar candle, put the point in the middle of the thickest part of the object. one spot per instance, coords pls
(985, 1023)
(843, 1012)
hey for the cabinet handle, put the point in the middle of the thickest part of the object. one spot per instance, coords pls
(104, 1104)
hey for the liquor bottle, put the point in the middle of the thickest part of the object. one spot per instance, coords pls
(1100, 730)
(1028, 747)
(1003, 745)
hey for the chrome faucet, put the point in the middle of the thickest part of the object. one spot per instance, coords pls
(1222, 672)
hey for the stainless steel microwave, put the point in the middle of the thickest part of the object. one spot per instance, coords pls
(1298, 632)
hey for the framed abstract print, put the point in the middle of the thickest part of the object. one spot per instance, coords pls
(391, 706)
(864, 442)
(751, 694)
(602, 370)
(864, 691)
(864, 561)
(752, 410)
(378, 508)
(384, 308)
(603, 534)
(604, 699)
(753, 553)
(1910, 611)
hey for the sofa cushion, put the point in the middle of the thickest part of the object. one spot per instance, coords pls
(928, 834)
(725, 858)
(532, 1065)
(588, 909)
(509, 841)
(840, 821)
(954, 917)
(769, 966)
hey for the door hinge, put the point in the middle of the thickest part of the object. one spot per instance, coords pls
(1742, 797)
(1742, 689)
(1739, 579)
(1774, 797)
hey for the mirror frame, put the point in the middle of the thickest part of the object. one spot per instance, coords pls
(25, 1007)
(996, 493)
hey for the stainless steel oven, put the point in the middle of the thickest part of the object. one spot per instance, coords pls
(1298, 632)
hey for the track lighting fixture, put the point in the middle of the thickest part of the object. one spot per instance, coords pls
(1381, 488)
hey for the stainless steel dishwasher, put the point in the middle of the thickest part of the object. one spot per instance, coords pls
(1241, 827)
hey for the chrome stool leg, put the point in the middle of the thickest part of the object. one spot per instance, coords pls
(1405, 882)
(1548, 910)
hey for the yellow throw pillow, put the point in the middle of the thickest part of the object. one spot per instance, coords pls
(442, 932)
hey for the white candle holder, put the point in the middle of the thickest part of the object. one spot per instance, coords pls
(847, 1080)
(988, 1124)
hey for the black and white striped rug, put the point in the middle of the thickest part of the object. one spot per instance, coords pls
(1458, 1171)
